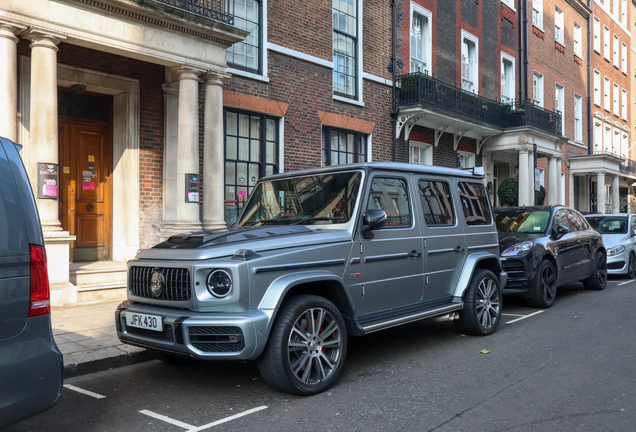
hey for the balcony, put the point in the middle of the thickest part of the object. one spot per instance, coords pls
(628, 166)
(218, 10)
(422, 90)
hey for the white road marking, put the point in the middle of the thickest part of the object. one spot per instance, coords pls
(191, 428)
(86, 392)
(517, 315)
(524, 317)
(626, 282)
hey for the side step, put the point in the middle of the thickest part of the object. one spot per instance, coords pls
(377, 326)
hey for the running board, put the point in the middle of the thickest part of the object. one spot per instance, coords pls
(410, 318)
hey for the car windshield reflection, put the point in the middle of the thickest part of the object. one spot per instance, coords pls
(522, 221)
(609, 224)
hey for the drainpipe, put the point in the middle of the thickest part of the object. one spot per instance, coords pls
(393, 66)
(590, 137)
(525, 48)
(520, 37)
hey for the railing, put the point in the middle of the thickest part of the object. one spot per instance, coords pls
(421, 89)
(628, 167)
(219, 10)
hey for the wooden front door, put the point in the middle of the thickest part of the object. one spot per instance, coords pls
(85, 168)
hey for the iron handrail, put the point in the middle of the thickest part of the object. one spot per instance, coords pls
(219, 10)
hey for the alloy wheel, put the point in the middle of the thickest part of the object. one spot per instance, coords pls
(632, 266)
(488, 304)
(314, 347)
(601, 269)
(548, 284)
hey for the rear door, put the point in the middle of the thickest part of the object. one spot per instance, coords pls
(14, 253)
(568, 247)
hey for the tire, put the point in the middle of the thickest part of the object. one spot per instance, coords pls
(475, 319)
(545, 286)
(172, 359)
(598, 280)
(299, 359)
(631, 267)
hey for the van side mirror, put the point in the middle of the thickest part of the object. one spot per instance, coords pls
(560, 231)
(374, 219)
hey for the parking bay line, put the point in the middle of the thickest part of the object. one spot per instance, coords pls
(191, 428)
(626, 282)
(524, 317)
(517, 315)
(86, 392)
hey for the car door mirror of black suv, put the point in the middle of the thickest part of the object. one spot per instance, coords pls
(374, 219)
(560, 231)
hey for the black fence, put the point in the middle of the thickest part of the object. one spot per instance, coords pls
(628, 167)
(421, 89)
(219, 10)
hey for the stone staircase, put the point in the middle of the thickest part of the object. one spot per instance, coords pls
(99, 281)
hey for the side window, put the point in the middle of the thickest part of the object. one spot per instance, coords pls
(437, 203)
(13, 239)
(392, 196)
(474, 203)
(561, 218)
(575, 223)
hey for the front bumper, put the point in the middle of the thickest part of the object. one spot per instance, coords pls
(618, 264)
(206, 336)
(518, 282)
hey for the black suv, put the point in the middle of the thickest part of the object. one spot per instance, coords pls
(544, 247)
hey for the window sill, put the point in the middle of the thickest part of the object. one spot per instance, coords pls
(598, 105)
(347, 100)
(617, 67)
(246, 74)
(624, 73)
(597, 52)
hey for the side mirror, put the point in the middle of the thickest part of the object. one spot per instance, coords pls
(560, 231)
(374, 219)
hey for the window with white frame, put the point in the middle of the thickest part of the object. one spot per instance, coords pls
(246, 55)
(624, 13)
(421, 47)
(509, 3)
(625, 144)
(624, 104)
(420, 153)
(537, 14)
(559, 104)
(624, 58)
(615, 10)
(578, 45)
(558, 25)
(598, 136)
(616, 100)
(606, 94)
(507, 78)
(606, 42)
(597, 87)
(616, 59)
(607, 138)
(345, 48)
(537, 88)
(597, 34)
(616, 143)
(470, 62)
(578, 117)
(465, 159)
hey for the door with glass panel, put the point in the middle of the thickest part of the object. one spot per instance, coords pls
(251, 152)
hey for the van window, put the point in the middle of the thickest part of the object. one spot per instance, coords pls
(13, 239)
(392, 196)
(475, 203)
(437, 203)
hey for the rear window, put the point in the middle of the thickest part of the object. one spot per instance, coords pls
(475, 203)
(13, 240)
(437, 203)
(609, 224)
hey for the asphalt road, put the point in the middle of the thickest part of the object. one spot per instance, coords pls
(568, 368)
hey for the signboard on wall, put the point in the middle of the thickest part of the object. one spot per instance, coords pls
(192, 188)
(48, 180)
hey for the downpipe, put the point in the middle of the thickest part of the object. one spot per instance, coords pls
(445, 318)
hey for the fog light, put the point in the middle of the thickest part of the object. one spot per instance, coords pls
(219, 283)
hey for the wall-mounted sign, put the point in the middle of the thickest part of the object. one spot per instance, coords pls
(47, 180)
(192, 188)
(91, 158)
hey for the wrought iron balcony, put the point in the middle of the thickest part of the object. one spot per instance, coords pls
(420, 89)
(628, 167)
(219, 10)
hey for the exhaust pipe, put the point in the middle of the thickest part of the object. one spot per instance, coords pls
(448, 317)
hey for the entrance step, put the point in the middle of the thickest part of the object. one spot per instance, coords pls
(101, 293)
(82, 274)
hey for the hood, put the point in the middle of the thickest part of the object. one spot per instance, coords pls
(507, 239)
(611, 240)
(225, 242)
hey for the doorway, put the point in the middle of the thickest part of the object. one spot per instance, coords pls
(85, 167)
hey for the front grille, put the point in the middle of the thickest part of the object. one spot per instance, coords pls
(514, 268)
(616, 265)
(166, 335)
(177, 286)
(217, 339)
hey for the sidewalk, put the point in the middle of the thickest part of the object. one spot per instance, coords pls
(87, 338)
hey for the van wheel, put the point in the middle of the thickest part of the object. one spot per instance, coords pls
(598, 280)
(545, 286)
(482, 305)
(307, 347)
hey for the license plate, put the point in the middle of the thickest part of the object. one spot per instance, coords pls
(150, 322)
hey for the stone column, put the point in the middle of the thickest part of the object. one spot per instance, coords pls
(213, 153)
(524, 199)
(188, 147)
(9, 80)
(600, 193)
(560, 191)
(615, 195)
(531, 177)
(553, 181)
(170, 157)
(571, 194)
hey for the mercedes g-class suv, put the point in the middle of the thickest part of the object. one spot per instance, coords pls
(316, 256)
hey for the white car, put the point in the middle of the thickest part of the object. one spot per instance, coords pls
(619, 237)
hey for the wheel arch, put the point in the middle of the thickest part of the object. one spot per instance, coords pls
(481, 260)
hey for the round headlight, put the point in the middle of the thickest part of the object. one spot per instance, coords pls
(219, 283)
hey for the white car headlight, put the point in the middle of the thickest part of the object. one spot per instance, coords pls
(616, 250)
(219, 283)
(518, 249)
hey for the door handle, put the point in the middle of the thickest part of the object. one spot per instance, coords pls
(458, 249)
(415, 254)
(577, 241)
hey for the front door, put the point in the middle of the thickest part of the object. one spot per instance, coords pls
(85, 161)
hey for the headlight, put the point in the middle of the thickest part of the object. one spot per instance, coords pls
(219, 283)
(518, 249)
(616, 250)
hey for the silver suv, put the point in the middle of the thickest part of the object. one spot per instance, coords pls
(317, 256)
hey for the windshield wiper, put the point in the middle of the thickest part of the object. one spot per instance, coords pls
(314, 219)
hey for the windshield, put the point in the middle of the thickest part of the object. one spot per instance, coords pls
(318, 199)
(609, 224)
(522, 221)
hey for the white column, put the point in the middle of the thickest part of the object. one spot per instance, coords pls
(571, 194)
(188, 147)
(615, 195)
(213, 153)
(524, 199)
(9, 80)
(170, 157)
(600, 193)
(560, 192)
(553, 181)
(531, 177)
